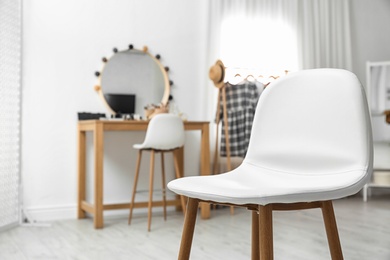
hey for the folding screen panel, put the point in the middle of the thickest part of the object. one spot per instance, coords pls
(10, 93)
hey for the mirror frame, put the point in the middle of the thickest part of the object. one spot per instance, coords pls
(156, 59)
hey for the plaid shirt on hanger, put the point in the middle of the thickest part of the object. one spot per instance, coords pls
(241, 101)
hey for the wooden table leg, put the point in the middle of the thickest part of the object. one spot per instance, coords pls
(205, 166)
(179, 153)
(81, 172)
(98, 193)
(178, 158)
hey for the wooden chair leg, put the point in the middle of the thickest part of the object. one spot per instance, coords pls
(135, 185)
(188, 229)
(163, 186)
(178, 175)
(266, 230)
(151, 175)
(331, 230)
(255, 236)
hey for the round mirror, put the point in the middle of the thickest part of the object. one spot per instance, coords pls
(132, 79)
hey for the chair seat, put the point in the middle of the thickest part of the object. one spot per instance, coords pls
(250, 184)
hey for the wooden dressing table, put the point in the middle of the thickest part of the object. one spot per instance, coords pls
(97, 128)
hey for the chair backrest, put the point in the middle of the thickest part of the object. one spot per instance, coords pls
(313, 122)
(165, 132)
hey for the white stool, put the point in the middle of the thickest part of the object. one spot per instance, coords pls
(165, 133)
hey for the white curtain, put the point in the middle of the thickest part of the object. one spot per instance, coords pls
(324, 34)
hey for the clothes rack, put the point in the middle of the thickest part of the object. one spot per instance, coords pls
(219, 80)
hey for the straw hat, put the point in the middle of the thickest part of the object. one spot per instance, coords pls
(217, 73)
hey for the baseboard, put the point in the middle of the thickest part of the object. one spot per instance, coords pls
(50, 213)
(66, 212)
(9, 226)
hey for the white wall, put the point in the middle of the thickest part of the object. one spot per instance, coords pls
(370, 42)
(63, 43)
(370, 37)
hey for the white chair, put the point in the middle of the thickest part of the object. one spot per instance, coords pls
(165, 133)
(311, 143)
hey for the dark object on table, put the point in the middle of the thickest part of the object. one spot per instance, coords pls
(90, 116)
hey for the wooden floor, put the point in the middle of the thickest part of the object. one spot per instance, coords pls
(364, 230)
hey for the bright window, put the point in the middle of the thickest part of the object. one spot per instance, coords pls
(257, 47)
